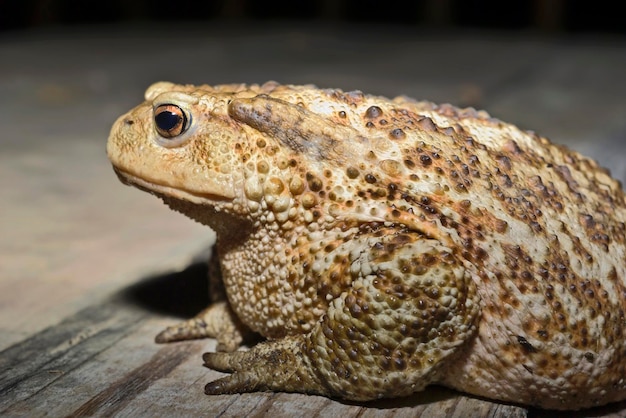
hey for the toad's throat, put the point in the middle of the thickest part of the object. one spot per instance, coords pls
(202, 208)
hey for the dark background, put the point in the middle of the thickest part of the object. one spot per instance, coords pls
(562, 16)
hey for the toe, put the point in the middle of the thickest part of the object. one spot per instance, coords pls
(219, 361)
(236, 383)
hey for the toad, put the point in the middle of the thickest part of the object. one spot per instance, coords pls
(380, 246)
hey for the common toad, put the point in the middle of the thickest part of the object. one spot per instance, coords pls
(384, 245)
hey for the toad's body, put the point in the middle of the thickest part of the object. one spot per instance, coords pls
(384, 245)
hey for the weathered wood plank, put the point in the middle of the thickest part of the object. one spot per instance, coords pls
(31, 366)
(122, 392)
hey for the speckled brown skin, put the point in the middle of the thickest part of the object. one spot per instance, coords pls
(383, 245)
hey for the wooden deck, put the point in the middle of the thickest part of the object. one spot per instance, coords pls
(90, 270)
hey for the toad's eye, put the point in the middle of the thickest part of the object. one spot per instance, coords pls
(170, 120)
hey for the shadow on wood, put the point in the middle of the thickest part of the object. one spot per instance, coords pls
(182, 294)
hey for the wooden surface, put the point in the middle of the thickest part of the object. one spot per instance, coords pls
(90, 270)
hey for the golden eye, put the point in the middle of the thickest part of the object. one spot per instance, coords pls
(170, 120)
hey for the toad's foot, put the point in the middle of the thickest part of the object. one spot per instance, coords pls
(274, 365)
(217, 321)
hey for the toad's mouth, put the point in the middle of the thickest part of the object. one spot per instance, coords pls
(168, 191)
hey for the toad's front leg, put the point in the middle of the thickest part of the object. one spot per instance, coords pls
(218, 320)
(410, 305)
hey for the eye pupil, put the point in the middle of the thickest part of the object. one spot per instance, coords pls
(166, 120)
(170, 120)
